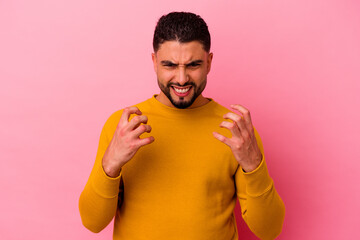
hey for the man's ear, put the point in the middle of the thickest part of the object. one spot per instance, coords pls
(153, 56)
(209, 61)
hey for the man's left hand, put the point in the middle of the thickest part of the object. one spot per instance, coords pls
(243, 143)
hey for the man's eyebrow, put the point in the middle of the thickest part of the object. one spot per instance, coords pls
(167, 62)
(195, 62)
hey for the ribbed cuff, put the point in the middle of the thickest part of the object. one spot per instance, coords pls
(258, 181)
(104, 185)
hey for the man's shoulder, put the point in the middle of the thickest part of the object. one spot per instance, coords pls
(218, 108)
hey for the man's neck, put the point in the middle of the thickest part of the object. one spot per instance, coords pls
(199, 101)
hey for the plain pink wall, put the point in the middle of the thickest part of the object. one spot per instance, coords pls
(65, 66)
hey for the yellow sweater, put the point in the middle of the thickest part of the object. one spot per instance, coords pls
(182, 186)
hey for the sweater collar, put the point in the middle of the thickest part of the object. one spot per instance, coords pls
(173, 110)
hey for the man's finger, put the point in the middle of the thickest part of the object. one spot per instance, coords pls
(232, 126)
(232, 116)
(136, 121)
(246, 115)
(222, 138)
(141, 129)
(127, 112)
(145, 141)
(244, 130)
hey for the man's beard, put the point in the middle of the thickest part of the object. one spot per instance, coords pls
(197, 90)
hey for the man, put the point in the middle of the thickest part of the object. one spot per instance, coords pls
(173, 166)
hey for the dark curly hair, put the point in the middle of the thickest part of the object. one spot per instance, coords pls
(183, 27)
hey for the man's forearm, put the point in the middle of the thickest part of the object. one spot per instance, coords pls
(99, 200)
(262, 208)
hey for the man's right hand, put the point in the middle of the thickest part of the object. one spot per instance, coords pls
(126, 141)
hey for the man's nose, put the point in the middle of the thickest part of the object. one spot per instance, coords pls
(183, 76)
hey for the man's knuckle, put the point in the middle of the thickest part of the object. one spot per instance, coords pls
(136, 119)
(237, 146)
(132, 145)
(142, 128)
(237, 118)
(240, 141)
(122, 131)
(143, 119)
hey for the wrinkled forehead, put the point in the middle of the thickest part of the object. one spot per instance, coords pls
(178, 52)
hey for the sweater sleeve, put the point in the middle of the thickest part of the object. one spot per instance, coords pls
(261, 206)
(99, 199)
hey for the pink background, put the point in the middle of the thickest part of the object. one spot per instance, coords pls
(65, 66)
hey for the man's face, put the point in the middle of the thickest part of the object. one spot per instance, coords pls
(181, 70)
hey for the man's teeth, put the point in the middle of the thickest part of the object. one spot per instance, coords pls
(181, 90)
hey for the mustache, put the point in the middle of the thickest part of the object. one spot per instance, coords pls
(177, 84)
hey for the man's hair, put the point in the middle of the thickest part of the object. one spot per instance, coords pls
(183, 27)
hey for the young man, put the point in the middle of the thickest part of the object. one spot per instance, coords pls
(173, 166)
